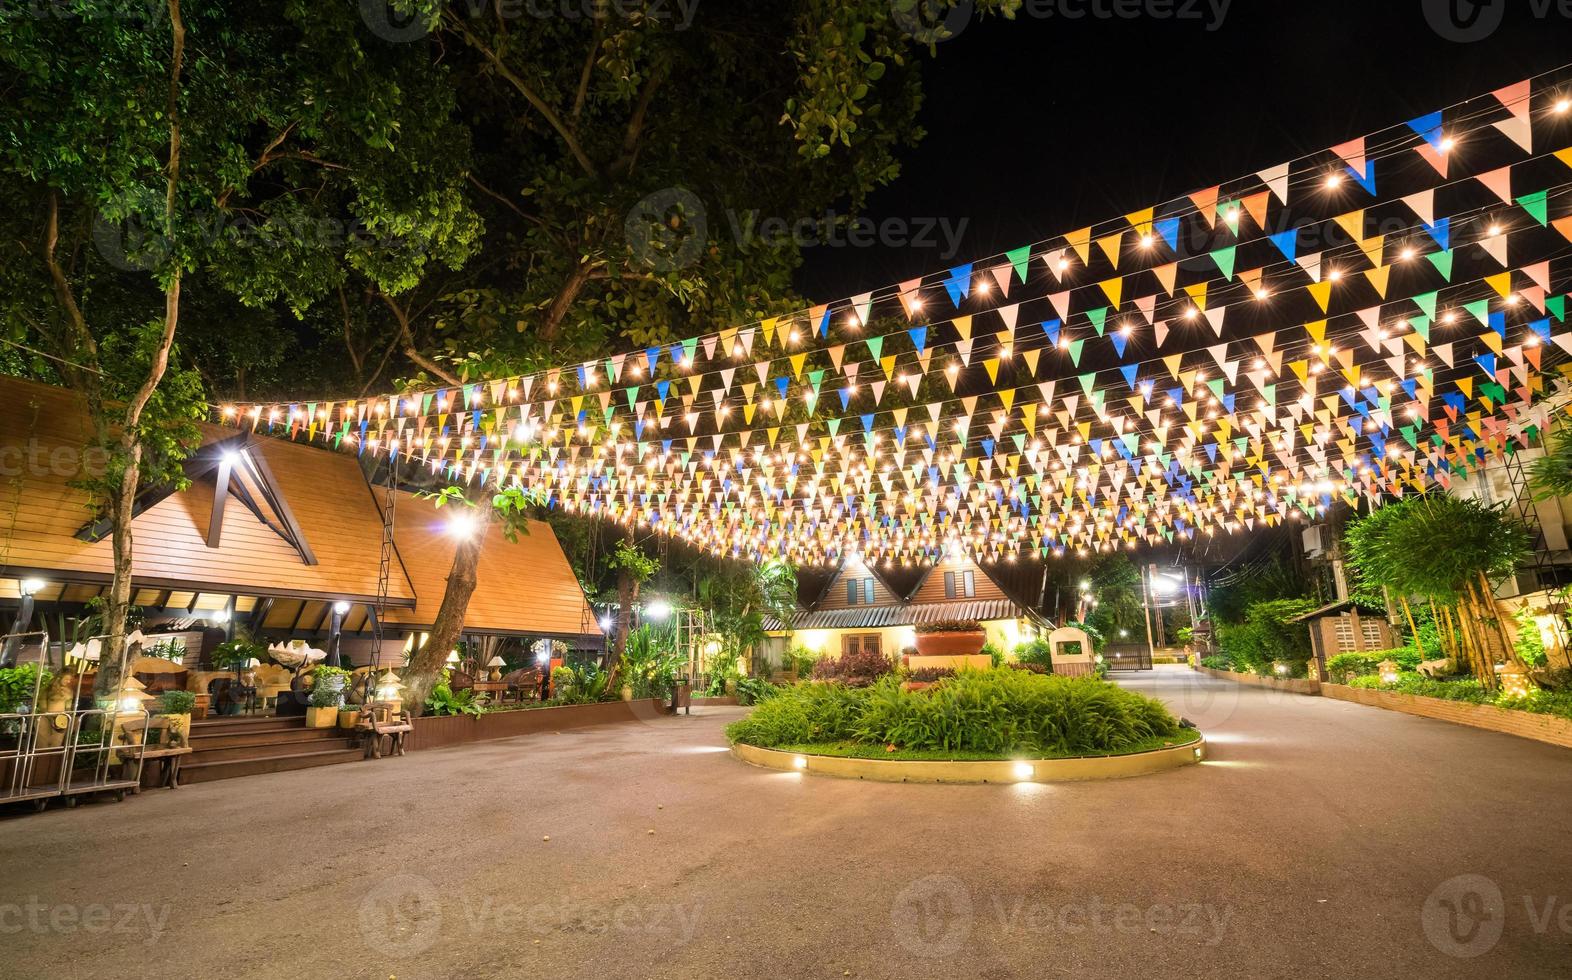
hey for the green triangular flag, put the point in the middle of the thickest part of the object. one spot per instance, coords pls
(1099, 318)
(1558, 306)
(875, 346)
(1087, 380)
(1421, 325)
(1536, 206)
(1443, 263)
(1427, 302)
(1224, 257)
(1479, 309)
(690, 347)
(1019, 257)
(1075, 351)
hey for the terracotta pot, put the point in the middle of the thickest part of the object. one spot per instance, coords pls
(950, 644)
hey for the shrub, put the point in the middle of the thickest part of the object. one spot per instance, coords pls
(1035, 652)
(1033, 668)
(177, 703)
(927, 675)
(17, 685)
(950, 626)
(1219, 661)
(1417, 684)
(752, 690)
(993, 711)
(994, 654)
(1267, 636)
(855, 669)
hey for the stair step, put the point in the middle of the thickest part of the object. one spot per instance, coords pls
(201, 740)
(236, 725)
(202, 772)
(269, 750)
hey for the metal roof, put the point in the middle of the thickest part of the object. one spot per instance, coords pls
(876, 617)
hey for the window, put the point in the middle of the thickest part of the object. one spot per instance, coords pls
(971, 585)
(949, 585)
(852, 592)
(867, 591)
(860, 643)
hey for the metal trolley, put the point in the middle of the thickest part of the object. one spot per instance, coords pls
(34, 743)
(68, 751)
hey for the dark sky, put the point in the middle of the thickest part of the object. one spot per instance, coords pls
(1043, 125)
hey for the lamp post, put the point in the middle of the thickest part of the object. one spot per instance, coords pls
(335, 632)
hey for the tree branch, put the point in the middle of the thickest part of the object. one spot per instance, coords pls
(630, 138)
(410, 350)
(558, 311)
(588, 70)
(530, 95)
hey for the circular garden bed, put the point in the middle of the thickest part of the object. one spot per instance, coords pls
(979, 726)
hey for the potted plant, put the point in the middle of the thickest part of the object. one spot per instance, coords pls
(349, 715)
(950, 638)
(327, 694)
(175, 707)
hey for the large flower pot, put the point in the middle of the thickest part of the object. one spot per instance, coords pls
(322, 717)
(950, 644)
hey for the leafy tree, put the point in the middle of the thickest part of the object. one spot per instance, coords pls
(234, 157)
(1450, 551)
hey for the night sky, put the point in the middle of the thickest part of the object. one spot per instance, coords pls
(1043, 125)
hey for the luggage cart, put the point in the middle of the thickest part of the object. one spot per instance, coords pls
(33, 742)
(104, 744)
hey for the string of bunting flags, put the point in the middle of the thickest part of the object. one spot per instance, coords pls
(1250, 363)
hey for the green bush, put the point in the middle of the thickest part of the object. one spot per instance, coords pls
(1267, 636)
(1037, 651)
(1344, 666)
(753, 690)
(993, 711)
(177, 703)
(1219, 661)
(994, 654)
(1422, 686)
(17, 685)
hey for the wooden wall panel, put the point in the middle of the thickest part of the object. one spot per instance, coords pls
(932, 588)
(835, 595)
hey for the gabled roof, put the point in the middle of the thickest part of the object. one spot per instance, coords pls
(524, 587)
(335, 521)
(907, 614)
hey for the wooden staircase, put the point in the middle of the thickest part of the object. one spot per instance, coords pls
(223, 748)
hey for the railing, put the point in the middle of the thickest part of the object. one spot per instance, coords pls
(1127, 656)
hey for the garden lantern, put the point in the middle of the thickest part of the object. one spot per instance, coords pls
(1388, 670)
(1514, 681)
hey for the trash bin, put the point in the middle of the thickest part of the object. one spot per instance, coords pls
(682, 697)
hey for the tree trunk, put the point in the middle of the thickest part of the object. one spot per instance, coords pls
(122, 505)
(425, 667)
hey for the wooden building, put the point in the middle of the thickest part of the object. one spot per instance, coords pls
(270, 534)
(863, 606)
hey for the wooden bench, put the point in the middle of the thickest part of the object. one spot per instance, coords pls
(386, 719)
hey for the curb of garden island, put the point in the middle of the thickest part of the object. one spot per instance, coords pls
(995, 771)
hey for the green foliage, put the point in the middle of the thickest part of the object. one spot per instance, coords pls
(585, 684)
(1468, 690)
(1529, 646)
(18, 683)
(631, 559)
(801, 659)
(1550, 475)
(948, 626)
(994, 711)
(1266, 636)
(1116, 583)
(1219, 661)
(173, 649)
(651, 662)
(1436, 545)
(177, 702)
(235, 654)
(753, 690)
(994, 654)
(443, 700)
(1037, 651)
(327, 686)
(1277, 580)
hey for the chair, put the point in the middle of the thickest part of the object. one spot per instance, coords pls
(386, 719)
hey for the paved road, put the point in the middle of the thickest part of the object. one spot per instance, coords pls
(1317, 842)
